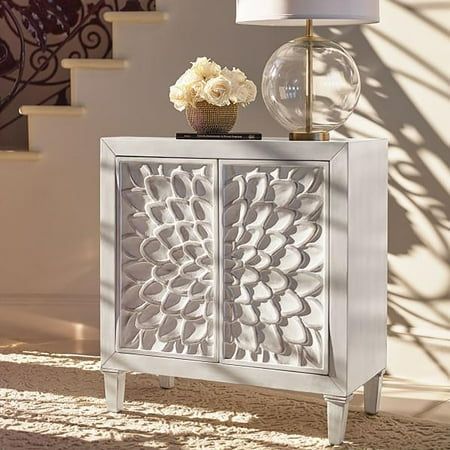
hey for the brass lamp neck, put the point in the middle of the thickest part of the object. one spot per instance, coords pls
(309, 79)
(309, 28)
(309, 134)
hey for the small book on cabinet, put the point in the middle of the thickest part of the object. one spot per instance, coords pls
(225, 136)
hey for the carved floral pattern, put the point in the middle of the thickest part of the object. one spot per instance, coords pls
(167, 303)
(274, 265)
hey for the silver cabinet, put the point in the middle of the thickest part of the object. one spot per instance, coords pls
(254, 262)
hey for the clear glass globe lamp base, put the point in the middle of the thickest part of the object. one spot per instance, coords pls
(311, 86)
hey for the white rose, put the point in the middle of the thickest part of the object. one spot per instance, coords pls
(197, 93)
(188, 77)
(235, 84)
(217, 91)
(205, 68)
(242, 90)
(239, 76)
(178, 96)
(251, 91)
(240, 94)
(245, 93)
(229, 75)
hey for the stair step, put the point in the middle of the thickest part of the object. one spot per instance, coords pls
(19, 155)
(51, 110)
(136, 16)
(86, 63)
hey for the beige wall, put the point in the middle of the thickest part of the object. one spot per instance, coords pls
(405, 97)
(404, 65)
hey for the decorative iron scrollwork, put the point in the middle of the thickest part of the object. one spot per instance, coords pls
(37, 36)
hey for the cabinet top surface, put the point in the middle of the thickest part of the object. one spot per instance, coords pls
(125, 139)
(271, 148)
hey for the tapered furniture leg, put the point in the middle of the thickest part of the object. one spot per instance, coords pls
(337, 412)
(114, 390)
(372, 394)
(166, 382)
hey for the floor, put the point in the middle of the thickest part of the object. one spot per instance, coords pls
(56, 401)
(400, 396)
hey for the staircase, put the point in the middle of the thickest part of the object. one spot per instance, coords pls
(80, 68)
(49, 194)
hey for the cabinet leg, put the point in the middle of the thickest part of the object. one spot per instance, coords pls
(166, 382)
(114, 390)
(337, 412)
(372, 394)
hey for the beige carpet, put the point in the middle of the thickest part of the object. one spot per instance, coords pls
(56, 402)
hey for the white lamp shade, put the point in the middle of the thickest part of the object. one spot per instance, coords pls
(295, 12)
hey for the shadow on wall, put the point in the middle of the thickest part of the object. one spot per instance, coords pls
(399, 82)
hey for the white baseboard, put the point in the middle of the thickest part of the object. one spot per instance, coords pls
(431, 332)
(34, 299)
(39, 316)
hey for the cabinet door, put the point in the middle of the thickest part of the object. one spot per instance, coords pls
(274, 248)
(167, 303)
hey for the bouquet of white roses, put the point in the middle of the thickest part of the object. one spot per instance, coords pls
(207, 82)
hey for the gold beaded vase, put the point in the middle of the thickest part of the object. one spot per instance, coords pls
(205, 118)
